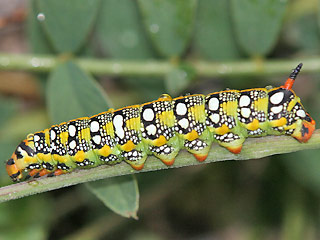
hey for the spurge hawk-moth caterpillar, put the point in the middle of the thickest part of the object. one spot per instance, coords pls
(161, 128)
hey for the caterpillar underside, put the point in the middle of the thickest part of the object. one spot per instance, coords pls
(161, 128)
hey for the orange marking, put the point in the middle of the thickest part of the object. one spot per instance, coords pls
(278, 123)
(80, 156)
(200, 157)
(288, 84)
(168, 162)
(254, 125)
(128, 146)
(33, 172)
(43, 172)
(222, 130)
(307, 128)
(137, 167)
(159, 141)
(58, 172)
(192, 135)
(105, 151)
(235, 150)
(13, 169)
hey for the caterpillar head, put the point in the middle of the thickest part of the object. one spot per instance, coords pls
(304, 124)
(18, 161)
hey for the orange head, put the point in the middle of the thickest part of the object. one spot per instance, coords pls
(16, 164)
(12, 168)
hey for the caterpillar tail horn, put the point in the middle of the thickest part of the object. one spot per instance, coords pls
(289, 83)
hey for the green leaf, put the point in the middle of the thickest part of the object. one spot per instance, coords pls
(257, 24)
(119, 194)
(37, 39)
(122, 36)
(169, 24)
(120, 31)
(303, 34)
(214, 38)
(68, 23)
(71, 93)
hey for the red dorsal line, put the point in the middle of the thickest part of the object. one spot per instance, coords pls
(288, 84)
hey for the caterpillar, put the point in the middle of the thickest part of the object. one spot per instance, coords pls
(161, 128)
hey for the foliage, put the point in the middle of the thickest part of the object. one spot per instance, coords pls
(253, 199)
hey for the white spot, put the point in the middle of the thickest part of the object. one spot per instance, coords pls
(167, 150)
(301, 113)
(277, 98)
(151, 129)
(245, 112)
(277, 109)
(213, 104)
(52, 135)
(72, 130)
(181, 109)
(118, 123)
(72, 144)
(184, 123)
(244, 101)
(36, 138)
(148, 114)
(97, 139)
(215, 117)
(94, 126)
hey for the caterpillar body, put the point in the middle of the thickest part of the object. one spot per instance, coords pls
(161, 128)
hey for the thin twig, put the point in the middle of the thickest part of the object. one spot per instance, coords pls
(253, 148)
(152, 67)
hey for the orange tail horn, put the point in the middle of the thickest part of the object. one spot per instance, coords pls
(288, 84)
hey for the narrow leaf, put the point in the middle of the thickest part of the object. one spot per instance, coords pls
(120, 31)
(120, 194)
(121, 34)
(38, 41)
(257, 24)
(169, 24)
(68, 23)
(214, 38)
(71, 93)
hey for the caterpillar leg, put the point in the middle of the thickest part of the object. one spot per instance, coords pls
(231, 141)
(56, 173)
(165, 153)
(135, 158)
(199, 148)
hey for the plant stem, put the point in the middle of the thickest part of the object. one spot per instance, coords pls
(147, 68)
(253, 148)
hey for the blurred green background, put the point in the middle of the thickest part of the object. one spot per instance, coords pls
(273, 198)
